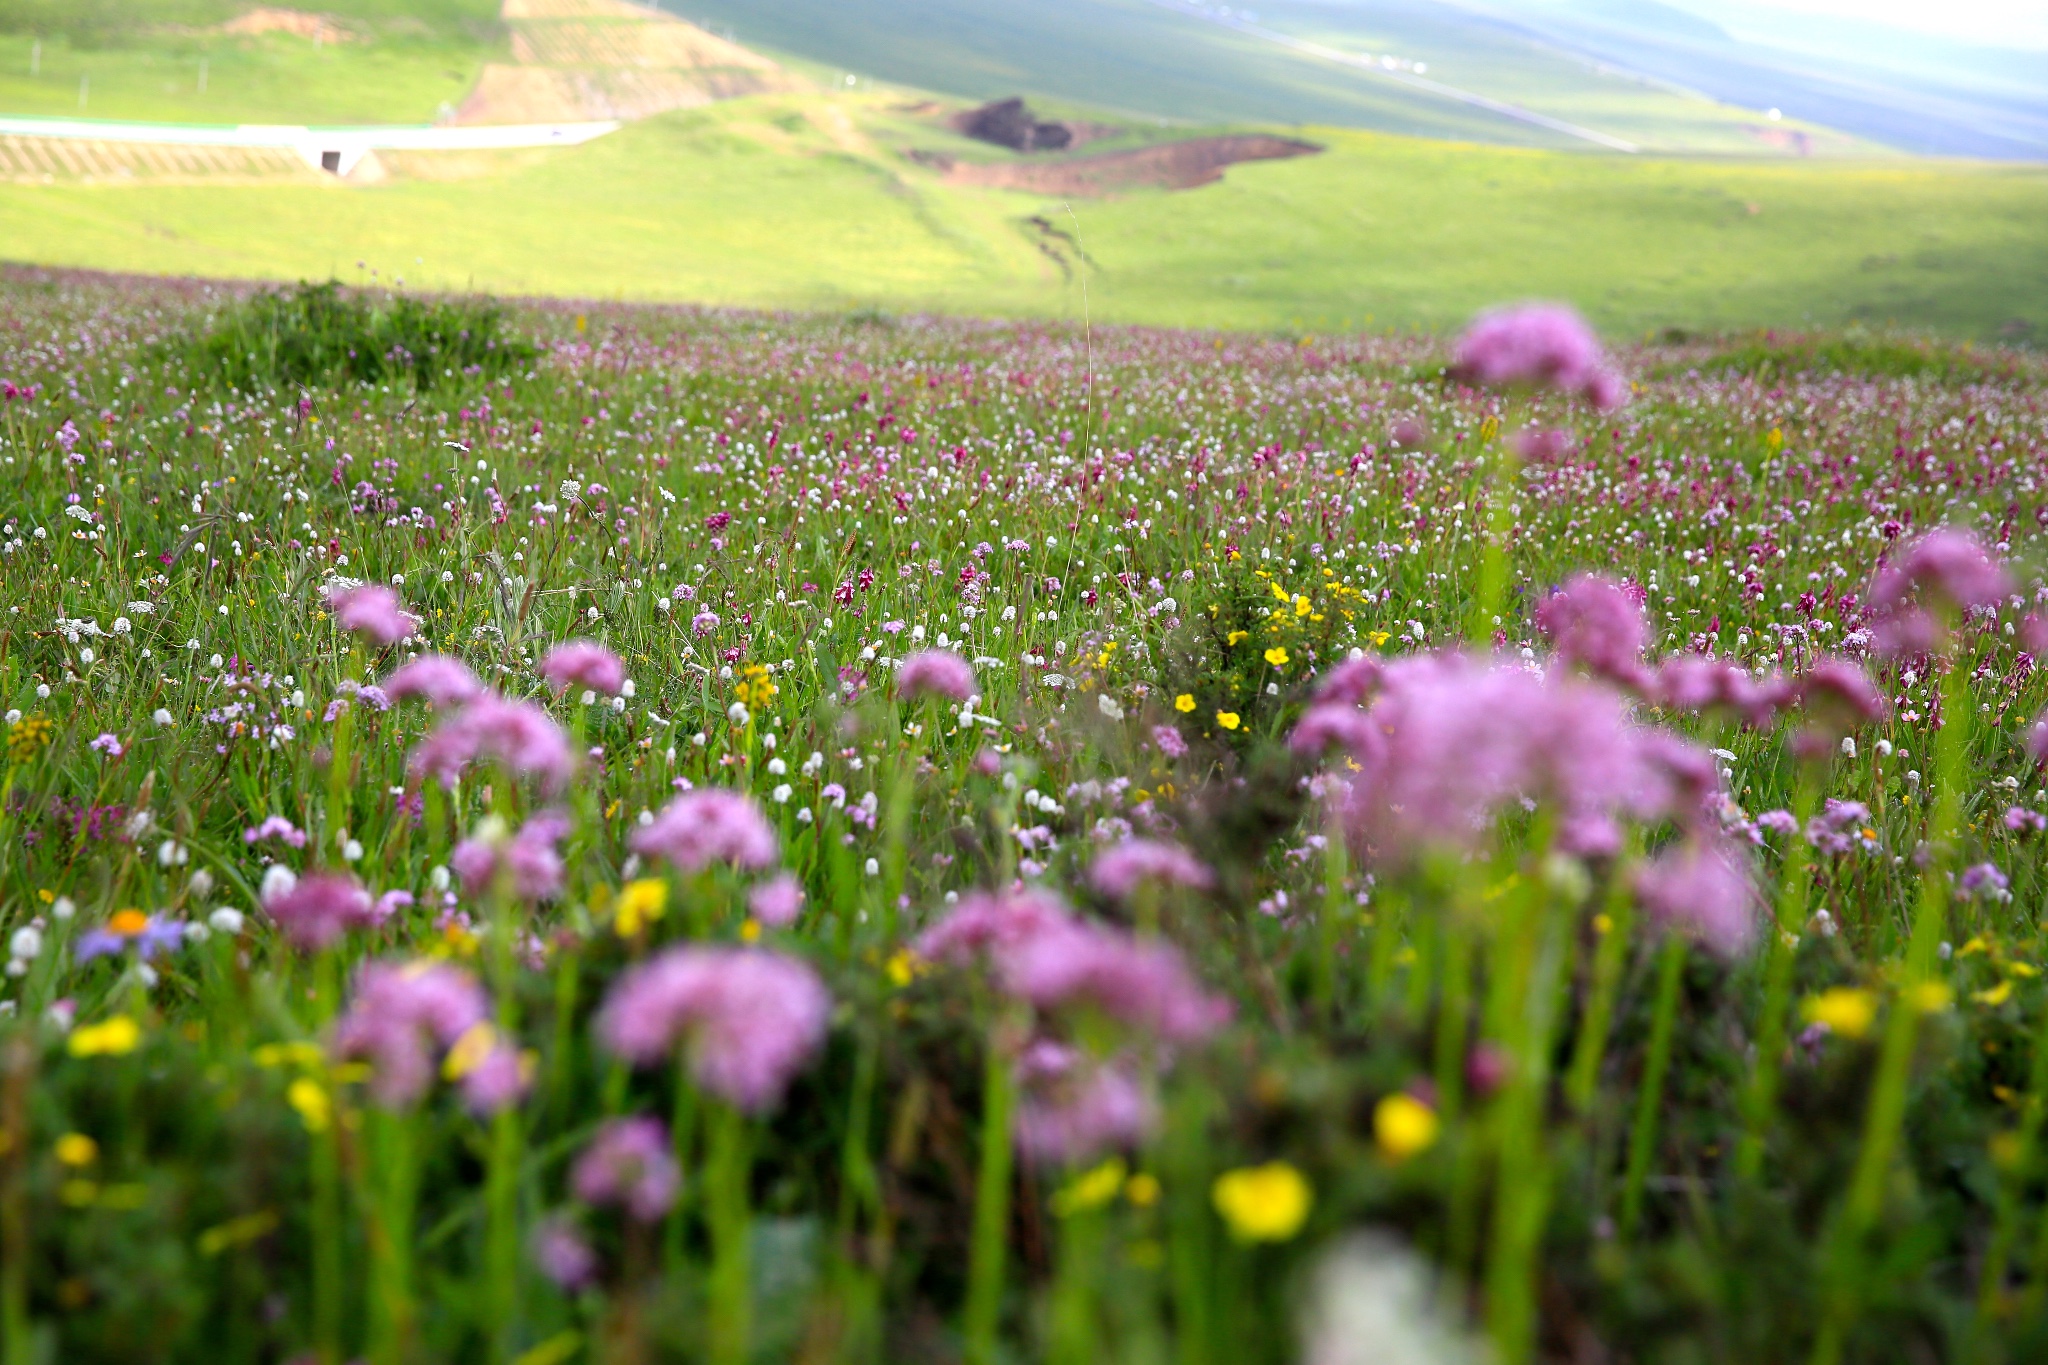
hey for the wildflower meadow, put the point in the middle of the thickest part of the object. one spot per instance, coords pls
(539, 836)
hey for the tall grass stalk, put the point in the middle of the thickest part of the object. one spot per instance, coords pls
(1794, 883)
(1642, 1137)
(728, 1176)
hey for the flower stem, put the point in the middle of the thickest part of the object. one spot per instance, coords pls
(1793, 889)
(991, 1206)
(730, 1208)
(1642, 1138)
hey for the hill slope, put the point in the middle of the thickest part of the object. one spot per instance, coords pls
(811, 201)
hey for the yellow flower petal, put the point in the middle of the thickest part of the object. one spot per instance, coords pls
(1266, 1203)
(1404, 1126)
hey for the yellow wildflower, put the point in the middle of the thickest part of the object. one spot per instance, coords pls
(750, 930)
(1184, 703)
(1143, 1190)
(1844, 1009)
(1266, 1203)
(76, 1149)
(1404, 1126)
(1227, 719)
(472, 1047)
(1997, 995)
(1378, 637)
(114, 1038)
(1277, 656)
(1091, 1189)
(315, 1108)
(640, 904)
(1929, 997)
(1235, 636)
(128, 923)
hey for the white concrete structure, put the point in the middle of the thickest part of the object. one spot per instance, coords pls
(335, 150)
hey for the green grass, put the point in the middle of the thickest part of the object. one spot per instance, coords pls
(751, 202)
(276, 78)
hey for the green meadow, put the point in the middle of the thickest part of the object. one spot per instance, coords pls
(808, 202)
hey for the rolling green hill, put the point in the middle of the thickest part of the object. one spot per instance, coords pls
(807, 201)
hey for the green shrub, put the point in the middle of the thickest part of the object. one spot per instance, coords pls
(320, 334)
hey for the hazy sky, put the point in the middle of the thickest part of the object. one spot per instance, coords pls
(2004, 22)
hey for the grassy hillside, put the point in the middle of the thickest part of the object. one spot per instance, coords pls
(143, 59)
(1151, 60)
(804, 201)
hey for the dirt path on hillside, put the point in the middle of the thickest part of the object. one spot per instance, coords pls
(1169, 166)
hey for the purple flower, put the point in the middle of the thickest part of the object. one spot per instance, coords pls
(1597, 625)
(1140, 983)
(1328, 725)
(1169, 741)
(703, 623)
(400, 1013)
(108, 744)
(1703, 890)
(275, 827)
(990, 922)
(629, 1164)
(441, 680)
(1691, 683)
(1836, 829)
(700, 828)
(1938, 578)
(515, 733)
(2020, 820)
(372, 611)
(1453, 741)
(937, 672)
(1351, 682)
(777, 903)
(1119, 871)
(561, 1254)
(529, 858)
(1984, 881)
(1541, 345)
(583, 663)
(1781, 822)
(495, 1080)
(316, 909)
(1838, 698)
(1072, 1109)
(151, 939)
(747, 1018)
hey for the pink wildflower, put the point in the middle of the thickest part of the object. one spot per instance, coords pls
(1703, 890)
(1938, 579)
(777, 903)
(1072, 1109)
(1119, 871)
(1169, 741)
(1543, 345)
(987, 922)
(629, 1164)
(748, 1019)
(583, 663)
(316, 909)
(1597, 625)
(1140, 983)
(937, 672)
(1351, 682)
(398, 1015)
(373, 612)
(529, 858)
(441, 680)
(561, 1254)
(700, 828)
(515, 733)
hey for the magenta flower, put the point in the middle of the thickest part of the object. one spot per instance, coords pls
(1169, 741)
(1142, 984)
(1938, 579)
(935, 672)
(316, 909)
(561, 1254)
(747, 1019)
(1538, 345)
(777, 903)
(1072, 1109)
(629, 1164)
(371, 611)
(1702, 890)
(275, 827)
(1689, 682)
(583, 663)
(515, 733)
(1838, 698)
(989, 922)
(1118, 871)
(441, 680)
(1351, 682)
(399, 1015)
(529, 858)
(700, 828)
(1597, 625)
(496, 1080)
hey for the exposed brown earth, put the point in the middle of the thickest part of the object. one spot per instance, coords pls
(1168, 166)
(270, 19)
(35, 160)
(605, 59)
